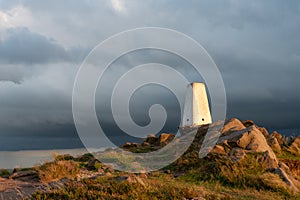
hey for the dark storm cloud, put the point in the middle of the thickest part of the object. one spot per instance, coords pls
(22, 50)
(255, 44)
(23, 46)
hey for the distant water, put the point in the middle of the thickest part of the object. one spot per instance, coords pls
(12, 159)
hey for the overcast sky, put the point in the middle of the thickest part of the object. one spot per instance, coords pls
(255, 44)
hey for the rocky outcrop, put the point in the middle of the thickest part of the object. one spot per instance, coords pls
(231, 126)
(150, 141)
(250, 139)
(244, 137)
(294, 148)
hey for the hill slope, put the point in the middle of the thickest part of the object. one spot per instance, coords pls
(246, 163)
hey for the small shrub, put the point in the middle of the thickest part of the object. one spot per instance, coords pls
(4, 173)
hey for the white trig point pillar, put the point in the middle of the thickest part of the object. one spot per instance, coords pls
(196, 108)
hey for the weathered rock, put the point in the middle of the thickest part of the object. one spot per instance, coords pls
(126, 145)
(289, 180)
(274, 144)
(91, 165)
(15, 189)
(130, 178)
(279, 137)
(283, 166)
(264, 131)
(250, 139)
(165, 138)
(289, 140)
(294, 148)
(28, 175)
(231, 126)
(151, 139)
(146, 144)
(129, 145)
(218, 149)
(236, 154)
(248, 123)
(268, 161)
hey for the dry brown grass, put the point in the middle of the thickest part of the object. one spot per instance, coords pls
(161, 187)
(273, 181)
(58, 169)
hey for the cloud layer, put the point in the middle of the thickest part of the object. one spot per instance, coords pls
(255, 44)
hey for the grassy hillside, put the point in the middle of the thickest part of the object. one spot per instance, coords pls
(246, 163)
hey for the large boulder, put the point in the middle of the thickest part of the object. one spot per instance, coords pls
(232, 125)
(253, 140)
